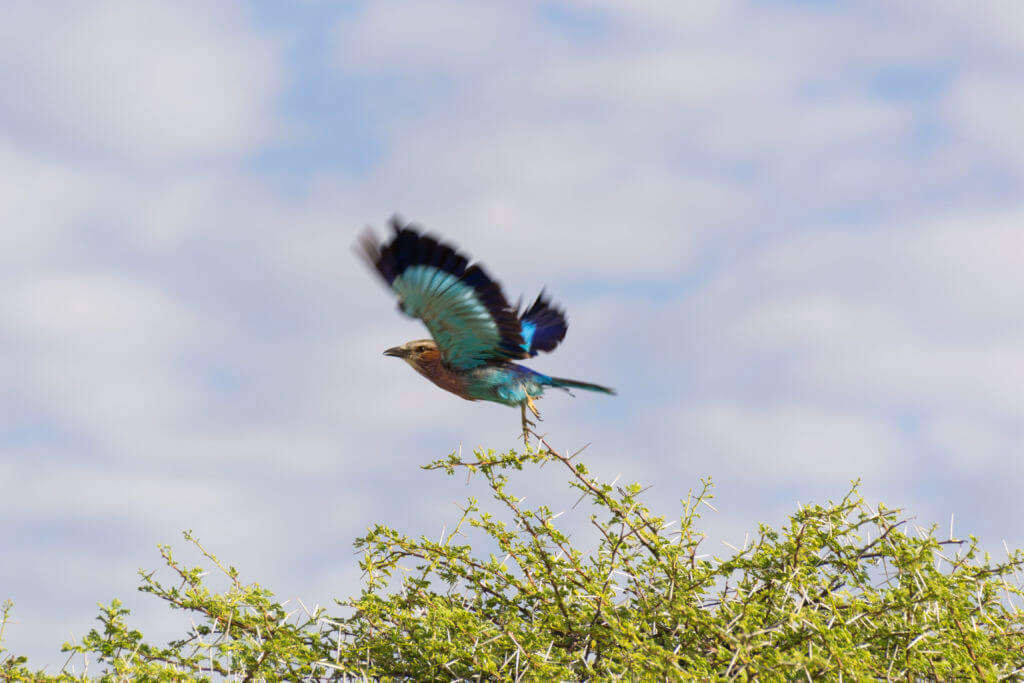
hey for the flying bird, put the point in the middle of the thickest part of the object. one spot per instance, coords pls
(476, 333)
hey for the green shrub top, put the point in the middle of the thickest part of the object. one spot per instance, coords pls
(842, 589)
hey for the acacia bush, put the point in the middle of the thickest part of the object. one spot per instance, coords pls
(843, 589)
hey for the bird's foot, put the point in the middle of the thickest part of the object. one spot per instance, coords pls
(528, 424)
(533, 408)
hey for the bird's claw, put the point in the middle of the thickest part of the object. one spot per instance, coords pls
(533, 408)
(529, 424)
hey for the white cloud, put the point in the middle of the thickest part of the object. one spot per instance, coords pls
(922, 317)
(38, 200)
(972, 443)
(98, 353)
(420, 37)
(987, 109)
(781, 444)
(154, 83)
(993, 29)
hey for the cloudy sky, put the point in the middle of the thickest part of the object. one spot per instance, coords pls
(790, 234)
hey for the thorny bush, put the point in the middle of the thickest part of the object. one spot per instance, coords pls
(842, 589)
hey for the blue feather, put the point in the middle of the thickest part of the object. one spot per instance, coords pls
(543, 326)
(528, 329)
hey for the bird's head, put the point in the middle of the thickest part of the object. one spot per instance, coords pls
(419, 353)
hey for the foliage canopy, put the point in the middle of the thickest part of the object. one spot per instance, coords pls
(842, 588)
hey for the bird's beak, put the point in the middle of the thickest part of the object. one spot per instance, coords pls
(395, 351)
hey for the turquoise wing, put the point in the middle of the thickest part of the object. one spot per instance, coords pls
(464, 309)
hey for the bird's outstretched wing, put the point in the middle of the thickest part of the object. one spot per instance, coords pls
(464, 309)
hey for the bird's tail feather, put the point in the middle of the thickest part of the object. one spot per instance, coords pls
(573, 384)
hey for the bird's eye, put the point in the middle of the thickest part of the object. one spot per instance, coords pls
(421, 349)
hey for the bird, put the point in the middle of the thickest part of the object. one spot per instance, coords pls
(475, 333)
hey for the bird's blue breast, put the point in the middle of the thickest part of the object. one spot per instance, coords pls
(506, 383)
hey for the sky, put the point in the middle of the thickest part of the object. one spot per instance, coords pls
(790, 234)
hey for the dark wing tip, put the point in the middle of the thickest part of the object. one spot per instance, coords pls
(367, 246)
(392, 257)
(368, 249)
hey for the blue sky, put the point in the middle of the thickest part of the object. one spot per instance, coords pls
(790, 234)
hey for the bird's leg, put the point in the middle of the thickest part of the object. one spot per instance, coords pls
(528, 423)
